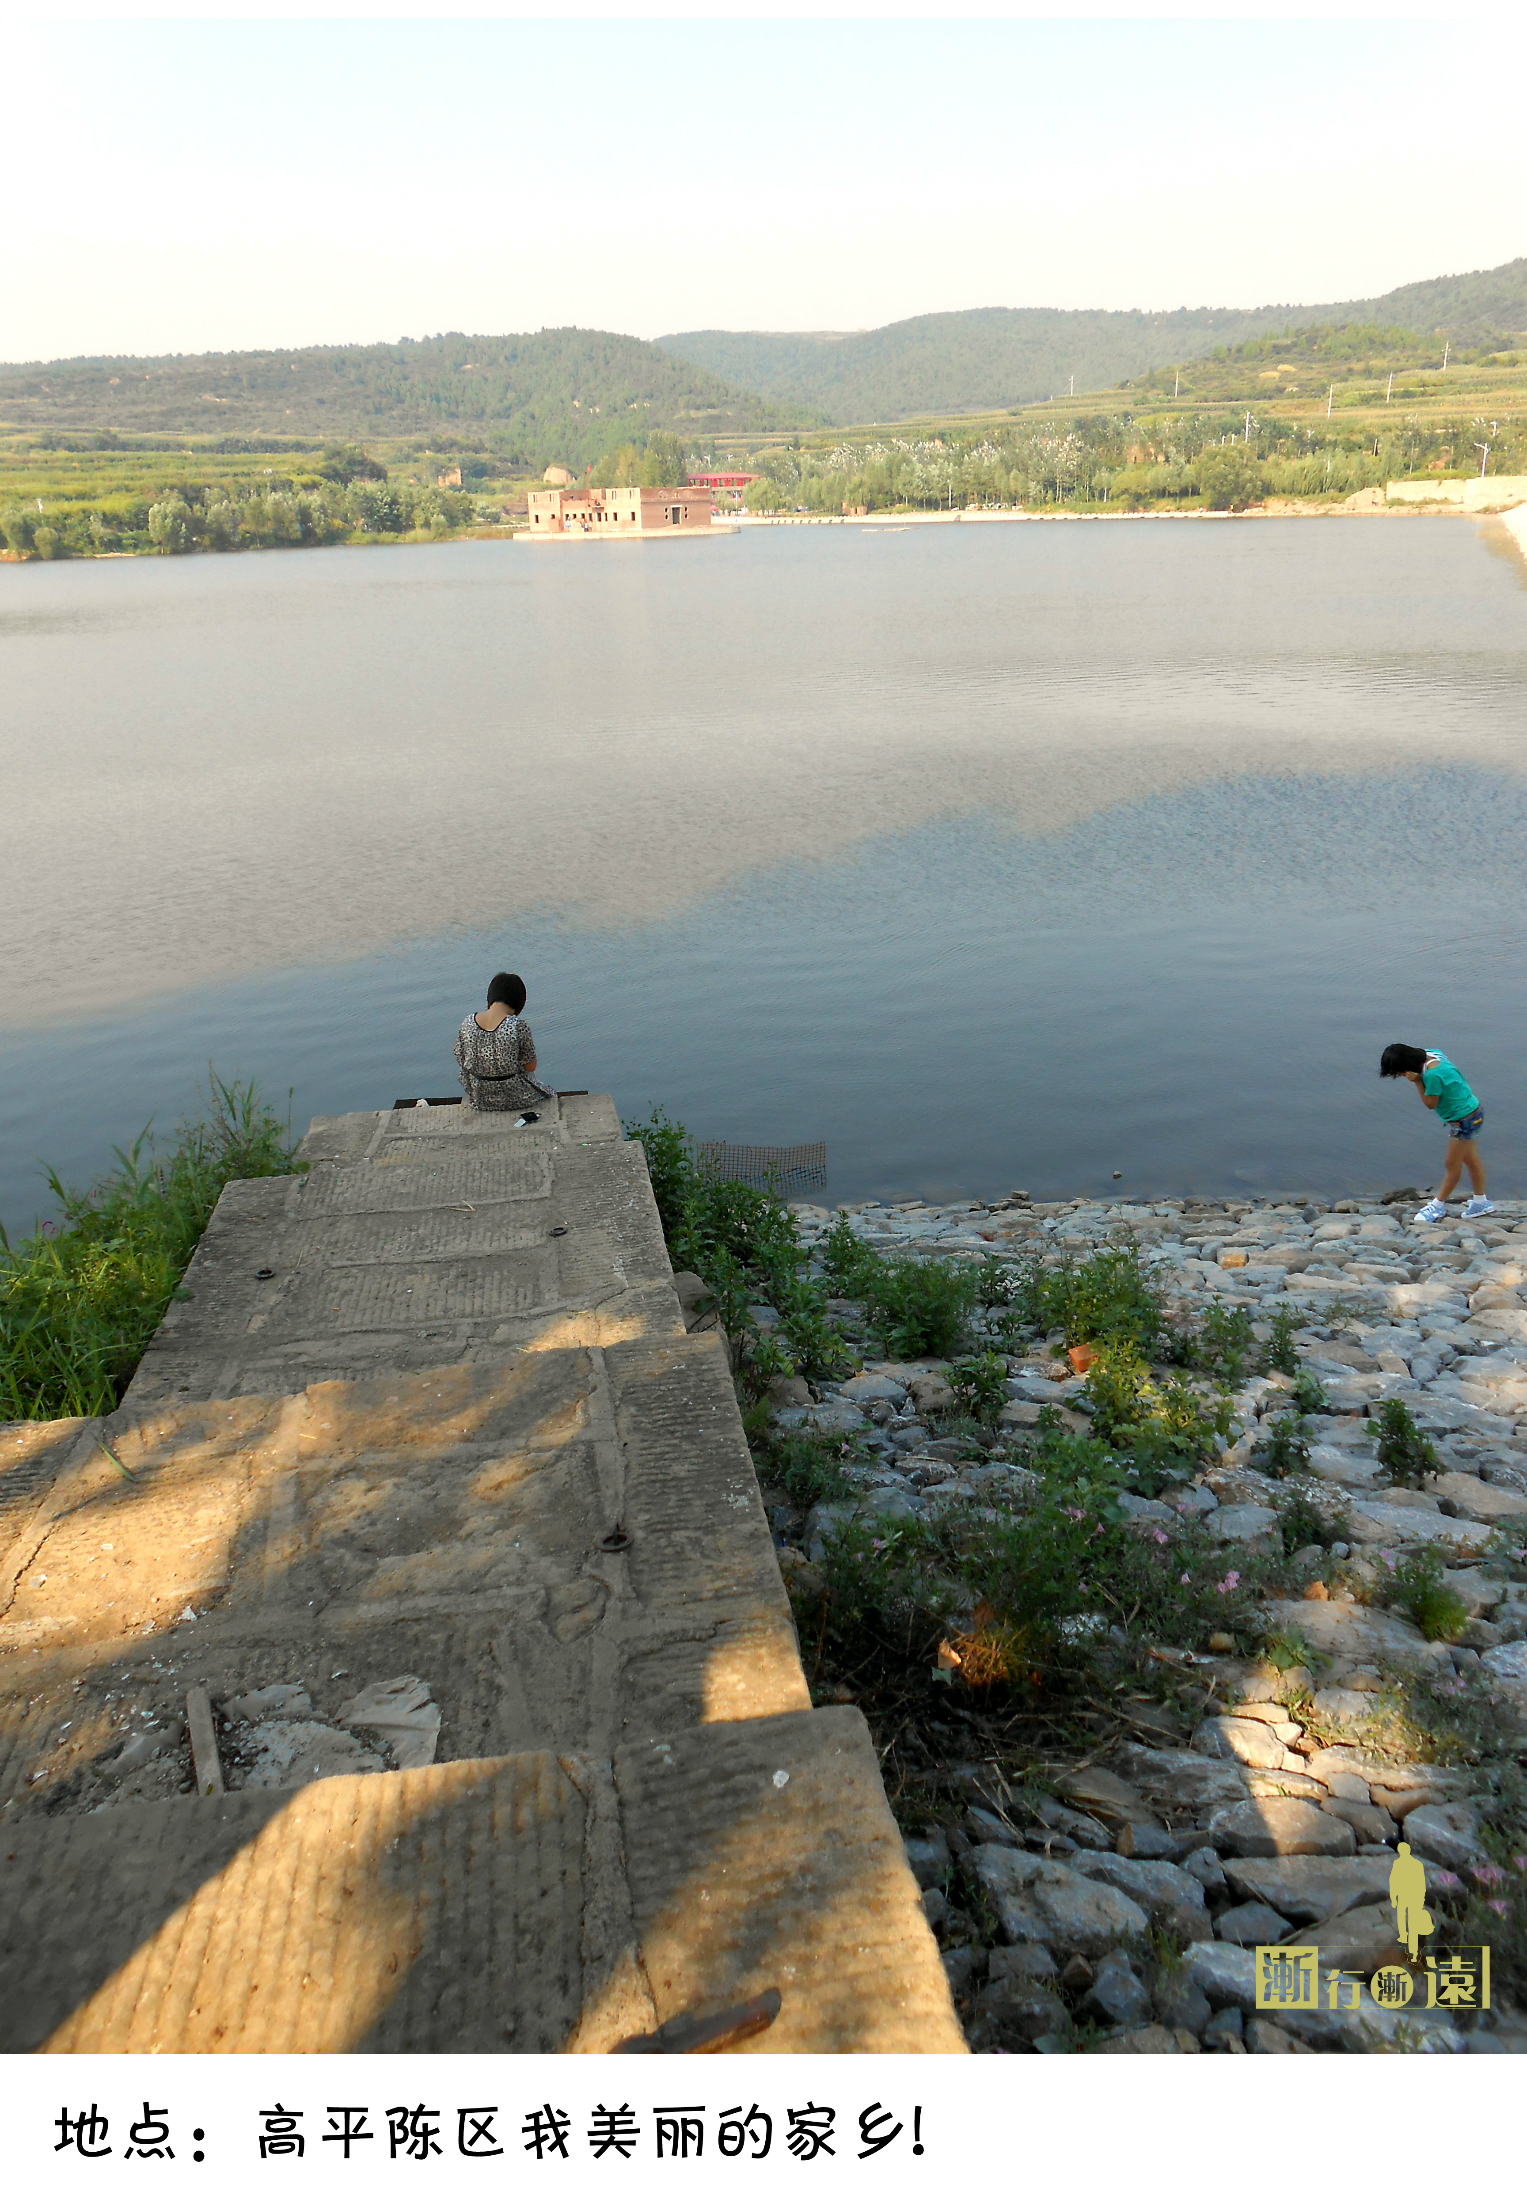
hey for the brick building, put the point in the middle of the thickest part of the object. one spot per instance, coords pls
(617, 511)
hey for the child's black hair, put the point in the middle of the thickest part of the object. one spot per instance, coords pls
(1400, 1059)
(508, 989)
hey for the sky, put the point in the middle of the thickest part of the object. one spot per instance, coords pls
(194, 184)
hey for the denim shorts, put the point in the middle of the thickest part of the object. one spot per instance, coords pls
(1464, 1130)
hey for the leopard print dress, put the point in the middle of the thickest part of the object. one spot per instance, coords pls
(495, 1069)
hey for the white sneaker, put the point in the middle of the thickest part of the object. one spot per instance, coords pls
(1433, 1213)
(1478, 1206)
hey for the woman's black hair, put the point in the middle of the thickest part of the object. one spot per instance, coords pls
(508, 989)
(1400, 1059)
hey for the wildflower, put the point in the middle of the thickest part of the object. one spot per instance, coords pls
(1497, 1906)
(1520, 1860)
(1159, 1536)
(1488, 1876)
(1441, 1879)
(1184, 1577)
(1229, 1582)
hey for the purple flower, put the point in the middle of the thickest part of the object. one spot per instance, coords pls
(1497, 1906)
(1232, 1578)
(1520, 1860)
(1443, 1879)
(1488, 1876)
(1159, 1536)
(1184, 1577)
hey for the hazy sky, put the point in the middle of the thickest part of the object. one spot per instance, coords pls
(200, 185)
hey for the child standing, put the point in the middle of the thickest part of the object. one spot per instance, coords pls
(1443, 1089)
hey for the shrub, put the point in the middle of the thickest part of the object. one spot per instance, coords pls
(1406, 1456)
(806, 1466)
(1224, 1342)
(1279, 1352)
(1285, 1452)
(1107, 1297)
(82, 1297)
(1160, 1424)
(980, 1385)
(1310, 1396)
(1415, 1584)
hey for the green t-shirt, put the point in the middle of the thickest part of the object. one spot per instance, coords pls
(1442, 1078)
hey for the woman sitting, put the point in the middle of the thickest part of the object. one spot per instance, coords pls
(496, 1051)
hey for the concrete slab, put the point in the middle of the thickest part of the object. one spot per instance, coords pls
(519, 1905)
(430, 1410)
(413, 1244)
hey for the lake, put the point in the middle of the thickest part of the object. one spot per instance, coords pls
(994, 856)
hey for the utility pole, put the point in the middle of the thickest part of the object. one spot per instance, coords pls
(1484, 448)
(1389, 391)
(1331, 398)
(1073, 385)
(1176, 382)
(1446, 347)
(1247, 435)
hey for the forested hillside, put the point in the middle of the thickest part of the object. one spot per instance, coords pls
(566, 395)
(996, 358)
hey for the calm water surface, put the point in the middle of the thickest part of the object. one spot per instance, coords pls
(994, 856)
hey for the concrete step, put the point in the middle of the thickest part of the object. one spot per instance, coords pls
(447, 1523)
(509, 1905)
(417, 1238)
(430, 1410)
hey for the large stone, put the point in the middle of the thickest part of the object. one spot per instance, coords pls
(1280, 1826)
(1180, 1780)
(1226, 1974)
(1343, 1631)
(1094, 1789)
(1252, 1925)
(1116, 1996)
(1361, 1940)
(1508, 1661)
(1172, 1897)
(1180, 2003)
(1478, 1502)
(931, 1394)
(1082, 1917)
(1144, 2040)
(1312, 1889)
(1345, 1705)
(1242, 1525)
(866, 1387)
(1380, 1522)
(1250, 1741)
(1444, 1834)
(1014, 2008)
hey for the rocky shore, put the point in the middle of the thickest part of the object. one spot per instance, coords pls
(1254, 1807)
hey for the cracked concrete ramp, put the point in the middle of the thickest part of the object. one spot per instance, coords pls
(524, 1904)
(429, 1408)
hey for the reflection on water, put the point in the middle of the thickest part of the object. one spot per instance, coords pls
(1005, 856)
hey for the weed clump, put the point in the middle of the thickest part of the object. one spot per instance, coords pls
(1415, 1584)
(1285, 1452)
(745, 1245)
(81, 1298)
(1278, 1349)
(915, 1308)
(1161, 1424)
(1108, 1299)
(1406, 1456)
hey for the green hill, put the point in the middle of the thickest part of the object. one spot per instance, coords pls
(997, 358)
(565, 395)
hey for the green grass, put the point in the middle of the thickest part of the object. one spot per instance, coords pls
(81, 1298)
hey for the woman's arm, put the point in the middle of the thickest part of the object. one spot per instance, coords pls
(527, 1048)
